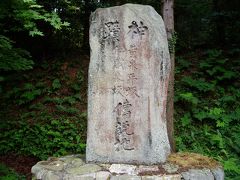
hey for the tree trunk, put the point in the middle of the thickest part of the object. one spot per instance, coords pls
(168, 17)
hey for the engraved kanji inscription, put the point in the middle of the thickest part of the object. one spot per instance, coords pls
(133, 64)
(123, 131)
(111, 32)
(118, 89)
(137, 29)
(132, 78)
(132, 91)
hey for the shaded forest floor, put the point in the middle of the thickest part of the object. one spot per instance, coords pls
(19, 163)
(43, 111)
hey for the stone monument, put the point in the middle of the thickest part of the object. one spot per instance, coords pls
(128, 81)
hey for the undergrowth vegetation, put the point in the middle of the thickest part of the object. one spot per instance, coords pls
(43, 112)
(207, 107)
(9, 174)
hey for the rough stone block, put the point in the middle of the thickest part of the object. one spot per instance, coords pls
(103, 175)
(198, 174)
(128, 81)
(84, 169)
(163, 177)
(123, 169)
(218, 173)
(125, 177)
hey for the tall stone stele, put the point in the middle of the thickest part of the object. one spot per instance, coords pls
(128, 82)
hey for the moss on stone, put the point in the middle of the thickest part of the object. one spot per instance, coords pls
(192, 160)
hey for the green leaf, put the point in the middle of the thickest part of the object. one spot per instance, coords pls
(189, 97)
(220, 123)
(218, 139)
(35, 6)
(56, 84)
(186, 119)
(216, 111)
(200, 115)
(199, 84)
(35, 32)
(231, 165)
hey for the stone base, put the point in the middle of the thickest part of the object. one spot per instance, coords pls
(73, 167)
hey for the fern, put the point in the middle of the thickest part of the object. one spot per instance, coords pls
(232, 165)
(189, 98)
(56, 84)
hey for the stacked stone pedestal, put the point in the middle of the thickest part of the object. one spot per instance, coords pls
(74, 168)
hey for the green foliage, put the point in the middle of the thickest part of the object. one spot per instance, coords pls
(25, 94)
(48, 119)
(207, 108)
(24, 15)
(9, 174)
(13, 58)
(53, 138)
(56, 84)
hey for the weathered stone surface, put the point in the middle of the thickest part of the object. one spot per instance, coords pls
(73, 170)
(163, 177)
(84, 169)
(53, 176)
(52, 165)
(77, 162)
(125, 177)
(198, 174)
(147, 169)
(39, 172)
(123, 169)
(91, 176)
(128, 82)
(170, 168)
(218, 173)
(105, 166)
(101, 175)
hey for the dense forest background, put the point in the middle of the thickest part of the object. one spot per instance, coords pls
(44, 56)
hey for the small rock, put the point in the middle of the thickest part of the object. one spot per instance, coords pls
(70, 158)
(141, 170)
(50, 165)
(123, 169)
(218, 173)
(67, 160)
(91, 176)
(170, 168)
(39, 172)
(77, 162)
(103, 175)
(125, 177)
(52, 176)
(85, 169)
(105, 166)
(164, 177)
(197, 174)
